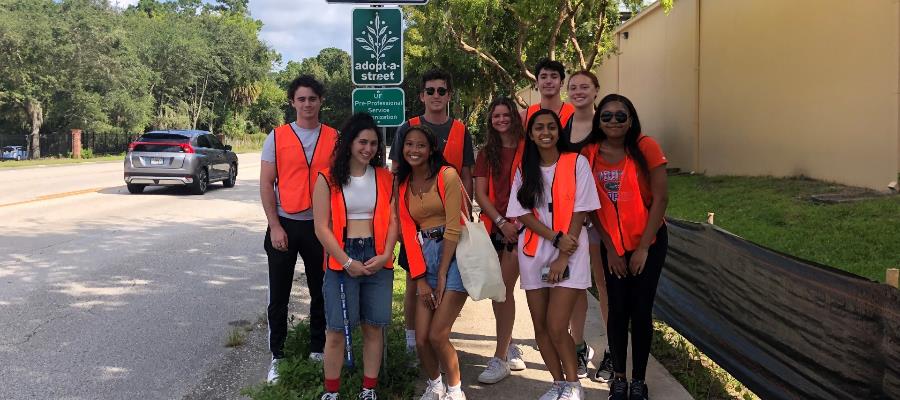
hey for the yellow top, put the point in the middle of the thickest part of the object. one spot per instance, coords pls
(428, 212)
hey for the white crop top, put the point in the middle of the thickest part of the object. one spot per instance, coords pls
(359, 195)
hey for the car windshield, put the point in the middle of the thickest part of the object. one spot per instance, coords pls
(163, 137)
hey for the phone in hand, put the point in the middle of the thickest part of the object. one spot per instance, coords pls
(545, 271)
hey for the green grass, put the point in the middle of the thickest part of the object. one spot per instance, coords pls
(301, 378)
(236, 337)
(860, 237)
(249, 143)
(60, 161)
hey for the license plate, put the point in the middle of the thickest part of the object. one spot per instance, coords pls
(156, 161)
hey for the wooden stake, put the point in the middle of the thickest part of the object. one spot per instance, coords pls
(711, 218)
(892, 277)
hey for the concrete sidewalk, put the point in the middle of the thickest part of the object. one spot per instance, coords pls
(473, 337)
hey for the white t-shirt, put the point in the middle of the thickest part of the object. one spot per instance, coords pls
(586, 199)
(308, 137)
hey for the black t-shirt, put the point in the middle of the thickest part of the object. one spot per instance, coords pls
(566, 133)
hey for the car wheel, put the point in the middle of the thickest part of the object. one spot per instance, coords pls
(135, 189)
(201, 182)
(232, 177)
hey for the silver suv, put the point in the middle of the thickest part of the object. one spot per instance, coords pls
(179, 158)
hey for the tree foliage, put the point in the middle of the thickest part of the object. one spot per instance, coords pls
(158, 64)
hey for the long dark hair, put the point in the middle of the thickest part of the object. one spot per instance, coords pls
(493, 145)
(631, 137)
(532, 190)
(340, 163)
(435, 160)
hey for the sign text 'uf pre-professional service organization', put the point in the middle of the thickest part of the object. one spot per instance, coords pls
(387, 105)
(377, 48)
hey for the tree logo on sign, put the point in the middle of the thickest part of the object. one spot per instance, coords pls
(378, 39)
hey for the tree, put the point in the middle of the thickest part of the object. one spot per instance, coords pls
(506, 37)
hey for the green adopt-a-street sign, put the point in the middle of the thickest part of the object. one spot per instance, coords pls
(386, 105)
(377, 51)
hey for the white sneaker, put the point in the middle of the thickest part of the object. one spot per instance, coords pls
(273, 371)
(571, 391)
(367, 394)
(329, 396)
(434, 392)
(496, 371)
(514, 358)
(553, 393)
(455, 395)
(317, 357)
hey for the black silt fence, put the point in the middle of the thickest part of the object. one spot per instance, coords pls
(786, 328)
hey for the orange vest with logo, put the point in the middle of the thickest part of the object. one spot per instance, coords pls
(453, 149)
(296, 176)
(409, 230)
(381, 218)
(562, 201)
(517, 160)
(565, 113)
(625, 220)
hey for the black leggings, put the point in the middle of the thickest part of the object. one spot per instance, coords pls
(302, 240)
(631, 300)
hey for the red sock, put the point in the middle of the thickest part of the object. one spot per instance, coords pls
(369, 383)
(332, 385)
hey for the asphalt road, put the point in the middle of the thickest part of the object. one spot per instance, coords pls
(108, 295)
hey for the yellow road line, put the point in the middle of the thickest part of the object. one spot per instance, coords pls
(54, 196)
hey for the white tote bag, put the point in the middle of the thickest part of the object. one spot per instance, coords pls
(477, 260)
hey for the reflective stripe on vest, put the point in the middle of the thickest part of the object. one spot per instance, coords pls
(453, 149)
(381, 218)
(517, 160)
(565, 112)
(625, 220)
(295, 175)
(409, 230)
(563, 201)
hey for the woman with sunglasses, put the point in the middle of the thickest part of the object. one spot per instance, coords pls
(582, 92)
(551, 196)
(429, 205)
(495, 168)
(356, 225)
(630, 173)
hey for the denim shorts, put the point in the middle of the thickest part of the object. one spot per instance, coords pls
(431, 250)
(368, 297)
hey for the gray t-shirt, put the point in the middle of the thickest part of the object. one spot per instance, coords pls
(308, 137)
(443, 133)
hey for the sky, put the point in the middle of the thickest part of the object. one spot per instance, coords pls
(297, 28)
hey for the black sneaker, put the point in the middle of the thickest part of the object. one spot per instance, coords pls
(583, 356)
(604, 372)
(618, 389)
(638, 390)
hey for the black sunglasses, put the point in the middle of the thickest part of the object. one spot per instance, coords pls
(607, 116)
(441, 91)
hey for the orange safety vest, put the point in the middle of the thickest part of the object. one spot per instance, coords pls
(453, 149)
(409, 230)
(564, 113)
(517, 160)
(381, 218)
(625, 220)
(563, 201)
(295, 174)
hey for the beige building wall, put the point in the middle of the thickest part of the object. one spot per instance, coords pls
(768, 87)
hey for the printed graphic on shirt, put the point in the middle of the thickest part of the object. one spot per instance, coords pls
(610, 181)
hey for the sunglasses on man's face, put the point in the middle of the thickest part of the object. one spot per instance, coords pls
(620, 116)
(441, 91)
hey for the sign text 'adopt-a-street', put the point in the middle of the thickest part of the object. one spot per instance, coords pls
(377, 51)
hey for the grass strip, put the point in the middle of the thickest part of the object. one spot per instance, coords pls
(54, 161)
(301, 378)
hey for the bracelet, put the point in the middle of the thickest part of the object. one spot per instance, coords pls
(499, 219)
(556, 239)
(347, 264)
(501, 223)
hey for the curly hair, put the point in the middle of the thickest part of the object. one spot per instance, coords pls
(531, 193)
(340, 162)
(493, 144)
(305, 81)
